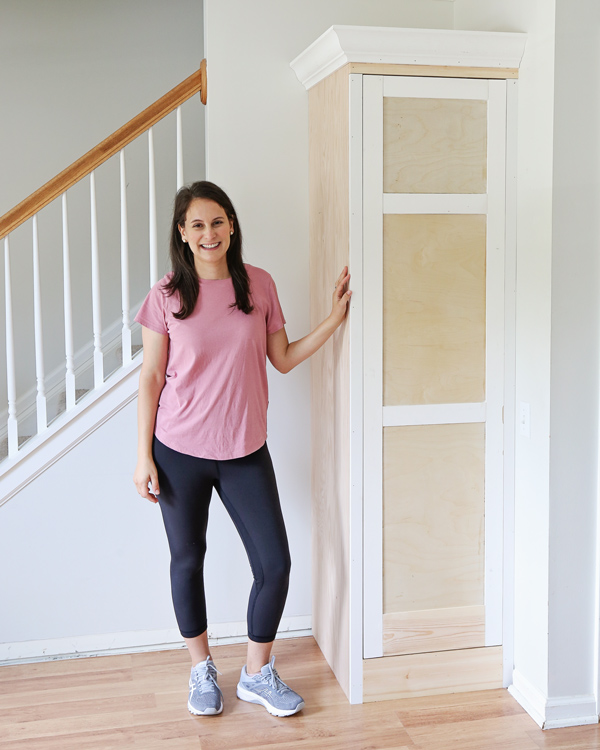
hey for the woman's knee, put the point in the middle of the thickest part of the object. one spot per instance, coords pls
(277, 572)
(189, 560)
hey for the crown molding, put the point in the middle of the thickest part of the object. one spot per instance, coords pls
(379, 44)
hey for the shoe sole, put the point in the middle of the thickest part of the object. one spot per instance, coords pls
(208, 712)
(249, 697)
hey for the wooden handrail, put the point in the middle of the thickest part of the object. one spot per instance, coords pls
(196, 83)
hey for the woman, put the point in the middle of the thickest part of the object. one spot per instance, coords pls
(207, 329)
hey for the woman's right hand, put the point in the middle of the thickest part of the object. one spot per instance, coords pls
(145, 474)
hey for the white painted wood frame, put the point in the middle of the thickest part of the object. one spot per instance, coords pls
(375, 415)
(510, 357)
(373, 364)
(355, 322)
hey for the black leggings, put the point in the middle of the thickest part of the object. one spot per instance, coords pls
(248, 490)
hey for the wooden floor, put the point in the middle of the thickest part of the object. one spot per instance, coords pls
(139, 701)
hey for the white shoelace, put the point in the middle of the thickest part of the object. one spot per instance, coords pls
(274, 679)
(205, 681)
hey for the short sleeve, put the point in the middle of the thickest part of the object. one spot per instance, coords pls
(152, 313)
(275, 318)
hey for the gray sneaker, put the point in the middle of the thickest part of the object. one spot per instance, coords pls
(205, 697)
(268, 689)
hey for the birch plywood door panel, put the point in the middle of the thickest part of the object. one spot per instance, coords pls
(433, 269)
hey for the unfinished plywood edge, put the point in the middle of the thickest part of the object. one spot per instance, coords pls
(416, 675)
(434, 71)
(441, 48)
(329, 247)
(433, 630)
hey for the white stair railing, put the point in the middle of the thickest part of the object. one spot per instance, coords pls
(152, 211)
(8, 223)
(96, 304)
(126, 330)
(42, 414)
(11, 380)
(70, 394)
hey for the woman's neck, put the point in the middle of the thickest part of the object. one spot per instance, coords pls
(210, 271)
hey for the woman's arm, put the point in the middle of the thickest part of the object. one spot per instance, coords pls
(285, 356)
(152, 381)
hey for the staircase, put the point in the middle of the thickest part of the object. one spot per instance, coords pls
(48, 414)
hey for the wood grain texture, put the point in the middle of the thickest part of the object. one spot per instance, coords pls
(434, 309)
(138, 702)
(435, 71)
(434, 145)
(433, 630)
(393, 677)
(103, 151)
(433, 511)
(330, 367)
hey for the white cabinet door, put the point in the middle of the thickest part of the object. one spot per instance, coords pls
(433, 323)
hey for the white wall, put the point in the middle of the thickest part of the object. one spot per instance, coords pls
(575, 380)
(88, 558)
(557, 349)
(257, 150)
(534, 224)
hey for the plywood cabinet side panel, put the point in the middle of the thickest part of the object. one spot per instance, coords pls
(330, 367)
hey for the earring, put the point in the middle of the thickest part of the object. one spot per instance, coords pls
(231, 232)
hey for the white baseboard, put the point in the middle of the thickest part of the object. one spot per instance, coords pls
(553, 713)
(136, 641)
(570, 711)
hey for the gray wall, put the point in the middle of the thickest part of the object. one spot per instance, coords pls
(71, 73)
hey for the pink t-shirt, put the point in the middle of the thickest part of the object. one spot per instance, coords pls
(214, 401)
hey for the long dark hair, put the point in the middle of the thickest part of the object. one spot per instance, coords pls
(185, 278)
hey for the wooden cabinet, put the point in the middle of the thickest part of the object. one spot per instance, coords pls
(411, 185)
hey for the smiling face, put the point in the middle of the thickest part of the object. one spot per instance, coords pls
(207, 230)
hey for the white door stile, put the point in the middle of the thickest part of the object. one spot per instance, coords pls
(355, 323)
(419, 203)
(126, 328)
(11, 380)
(510, 286)
(494, 437)
(68, 310)
(41, 409)
(179, 150)
(373, 363)
(419, 414)
(435, 88)
(96, 305)
(153, 231)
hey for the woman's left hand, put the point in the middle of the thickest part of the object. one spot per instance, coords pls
(341, 296)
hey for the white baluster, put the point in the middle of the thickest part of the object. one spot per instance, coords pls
(126, 329)
(11, 380)
(68, 307)
(152, 211)
(179, 150)
(42, 414)
(96, 307)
